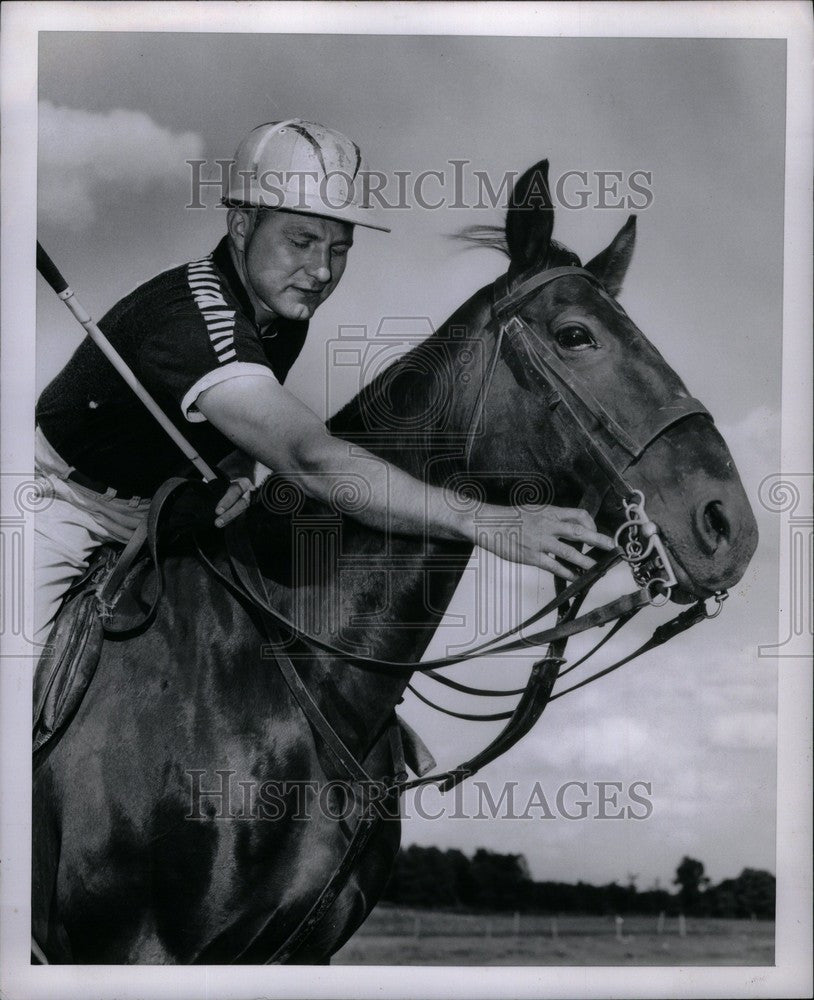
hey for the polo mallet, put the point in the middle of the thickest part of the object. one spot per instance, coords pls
(51, 273)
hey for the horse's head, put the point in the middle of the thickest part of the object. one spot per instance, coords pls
(568, 356)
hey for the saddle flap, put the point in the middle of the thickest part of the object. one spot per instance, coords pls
(71, 654)
(118, 594)
(135, 600)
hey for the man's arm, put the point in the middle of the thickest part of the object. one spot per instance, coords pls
(270, 424)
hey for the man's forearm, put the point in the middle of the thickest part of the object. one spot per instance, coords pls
(266, 422)
(393, 500)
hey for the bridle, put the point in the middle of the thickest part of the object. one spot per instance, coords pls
(614, 448)
(638, 542)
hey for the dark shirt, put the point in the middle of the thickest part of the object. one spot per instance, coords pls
(180, 333)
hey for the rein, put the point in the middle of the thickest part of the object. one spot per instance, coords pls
(613, 446)
(638, 543)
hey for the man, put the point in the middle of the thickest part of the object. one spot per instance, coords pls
(213, 341)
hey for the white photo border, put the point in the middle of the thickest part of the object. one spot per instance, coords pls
(791, 976)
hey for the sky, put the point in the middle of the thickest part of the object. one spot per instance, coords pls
(120, 113)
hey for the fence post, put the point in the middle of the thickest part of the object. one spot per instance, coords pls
(682, 925)
(660, 923)
(619, 922)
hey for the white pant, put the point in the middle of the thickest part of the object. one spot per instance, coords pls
(68, 529)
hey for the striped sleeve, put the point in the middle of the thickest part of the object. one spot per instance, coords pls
(219, 319)
(198, 339)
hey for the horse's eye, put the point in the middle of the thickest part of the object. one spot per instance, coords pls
(574, 337)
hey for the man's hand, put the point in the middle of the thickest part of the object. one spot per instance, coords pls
(235, 501)
(543, 537)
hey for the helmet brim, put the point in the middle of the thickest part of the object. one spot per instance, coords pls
(355, 215)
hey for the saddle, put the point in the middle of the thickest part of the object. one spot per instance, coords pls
(118, 596)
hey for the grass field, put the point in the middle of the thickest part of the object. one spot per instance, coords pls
(401, 936)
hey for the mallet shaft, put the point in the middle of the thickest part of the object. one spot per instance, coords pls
(52, 275)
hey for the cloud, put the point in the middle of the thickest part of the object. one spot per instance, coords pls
(744, 730)
(86, 155)
(614, 740)
(755, 445)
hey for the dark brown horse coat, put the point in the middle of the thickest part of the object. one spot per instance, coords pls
(133, 860)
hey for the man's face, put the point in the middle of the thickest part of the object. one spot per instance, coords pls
(294, 261)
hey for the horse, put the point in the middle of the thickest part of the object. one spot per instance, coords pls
(144, 847)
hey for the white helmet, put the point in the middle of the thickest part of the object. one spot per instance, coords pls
(302, 167)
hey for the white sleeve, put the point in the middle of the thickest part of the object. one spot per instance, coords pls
(232, 370)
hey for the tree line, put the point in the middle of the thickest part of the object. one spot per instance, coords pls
(490, 881)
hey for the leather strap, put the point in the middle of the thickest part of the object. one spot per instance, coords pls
(365, 829)
(570, 392)
(483, 395)
(535, 697)
(149, 532)
(527, 286)
(250, 584)
(557, 375)
(685, 619)
(368, 823)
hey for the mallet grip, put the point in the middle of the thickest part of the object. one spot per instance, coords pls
(50, 271)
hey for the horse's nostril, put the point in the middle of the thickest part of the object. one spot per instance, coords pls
(716, 522)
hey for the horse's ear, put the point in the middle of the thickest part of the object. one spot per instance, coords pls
(611, 265)
(530, 219)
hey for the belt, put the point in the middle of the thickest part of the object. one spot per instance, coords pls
(93, 484)
(56, 463)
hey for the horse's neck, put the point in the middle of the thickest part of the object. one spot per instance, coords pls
(416, 414)
(388, 593)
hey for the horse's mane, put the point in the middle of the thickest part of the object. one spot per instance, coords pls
(494, 238)
(483, 237)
